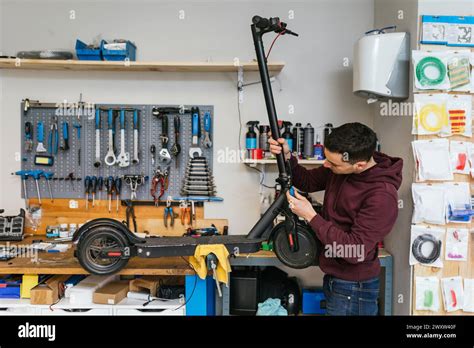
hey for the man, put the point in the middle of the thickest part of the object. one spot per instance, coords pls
(360, 209)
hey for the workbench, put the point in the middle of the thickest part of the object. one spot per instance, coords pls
(268, 258)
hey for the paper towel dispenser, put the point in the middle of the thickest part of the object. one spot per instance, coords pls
(381, 65)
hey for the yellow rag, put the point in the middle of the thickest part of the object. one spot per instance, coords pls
(198, 261)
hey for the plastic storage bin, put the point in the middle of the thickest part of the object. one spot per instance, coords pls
(129, 52)
(85, 53)
(314, 301)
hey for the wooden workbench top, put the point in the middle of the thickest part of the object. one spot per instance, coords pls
(66, 263)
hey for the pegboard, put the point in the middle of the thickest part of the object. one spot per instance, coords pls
(66, 162)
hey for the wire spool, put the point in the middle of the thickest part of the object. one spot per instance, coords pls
(417, 246)
(425, 117)
(430, 63)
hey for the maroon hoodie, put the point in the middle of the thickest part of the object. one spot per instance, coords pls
(359, 210)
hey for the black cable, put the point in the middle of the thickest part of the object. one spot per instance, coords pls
(194, 287)
(418, 244)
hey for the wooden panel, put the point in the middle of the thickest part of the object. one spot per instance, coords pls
(149, 218)
(82, 65)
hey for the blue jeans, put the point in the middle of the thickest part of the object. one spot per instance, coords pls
(345, 297)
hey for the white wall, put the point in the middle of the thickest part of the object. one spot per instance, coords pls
(2, 168)
(314, 80)
(445, 7)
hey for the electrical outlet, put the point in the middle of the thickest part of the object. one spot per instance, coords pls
(17, 157)
(73, 204)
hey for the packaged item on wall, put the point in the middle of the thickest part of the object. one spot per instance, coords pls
(472, 71)
(434, 30)
(460, 31)
(431, 115)
(457, 242)
(458, 202)
(459, 154)
(430, 70)
(432, 159)
(460, 114)
(425, 245)
(468, 305)
(459, 70)
(427, 294)
(453, 294)
(429, 203)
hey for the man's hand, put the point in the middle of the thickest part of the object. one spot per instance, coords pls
(300, 206)
(276, 146)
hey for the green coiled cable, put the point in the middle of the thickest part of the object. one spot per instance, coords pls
(426, 63)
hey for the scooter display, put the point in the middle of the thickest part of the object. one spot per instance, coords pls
(104, 245)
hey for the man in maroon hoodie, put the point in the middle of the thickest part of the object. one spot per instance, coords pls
(360, 208)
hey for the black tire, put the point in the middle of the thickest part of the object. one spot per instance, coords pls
(307, 253)
(87, 255)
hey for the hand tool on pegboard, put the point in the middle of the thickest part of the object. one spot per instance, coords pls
(40, 138)
(100, 186)
(118, 191)
(123, 159)
(168, 212)
(78, 132)
(110, 158)
(36, 175)
(153, 154)
(87, 190)
(24, 175)
(134, 181)
(195, 150)
(97, 126)
(48, 177)
(207, 143)
(135, 159)
(164, 156)
(53, 139)
(159, 183)
(109, 185)
(65, 131)
(93, 189)
(28, 136)
(176, 148)
(185, 211)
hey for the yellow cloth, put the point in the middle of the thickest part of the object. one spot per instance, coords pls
(198, 261)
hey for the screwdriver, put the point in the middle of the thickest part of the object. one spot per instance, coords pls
(118, 188)
(94, 189)
(24, 174)
(100, 186)
(110, 188)
(87, 186)
(36, 174)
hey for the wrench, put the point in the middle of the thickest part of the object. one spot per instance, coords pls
(97, 162)
(110, 156)
(207, 143)
(164, 155)
(135, 137)
(195, 150)
(123, 158)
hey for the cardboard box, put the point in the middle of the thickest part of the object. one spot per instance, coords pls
(29, 281)
(147, 284)
(112, 293)
(49, 291)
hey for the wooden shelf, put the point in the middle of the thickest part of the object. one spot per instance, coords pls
(83, 65)
(273, 161)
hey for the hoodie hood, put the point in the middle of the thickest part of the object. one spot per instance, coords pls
(388, 170)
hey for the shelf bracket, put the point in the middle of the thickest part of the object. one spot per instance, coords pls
(240, 83)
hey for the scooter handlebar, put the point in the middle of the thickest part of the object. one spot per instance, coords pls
(272, 24)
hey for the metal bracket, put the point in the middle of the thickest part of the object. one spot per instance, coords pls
(240, 83)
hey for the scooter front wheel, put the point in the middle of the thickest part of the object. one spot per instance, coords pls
(308, 250)
(101, 251)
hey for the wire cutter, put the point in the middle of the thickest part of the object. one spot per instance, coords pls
(53, 140)
(185, 212)
(168, 212)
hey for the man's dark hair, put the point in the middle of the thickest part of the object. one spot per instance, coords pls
(355, 141)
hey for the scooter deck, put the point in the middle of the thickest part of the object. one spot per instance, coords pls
(186, 246)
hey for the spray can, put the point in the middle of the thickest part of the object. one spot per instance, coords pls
(287, 134)
(251, 136)
(263, 138)
(327, 130)
(318, 149)
(308, 141)
(298, 138)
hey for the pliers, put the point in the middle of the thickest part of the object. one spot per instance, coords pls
(185, 213)
(168, 212)
(53, 140)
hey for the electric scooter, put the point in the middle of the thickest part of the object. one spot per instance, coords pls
(104, 245)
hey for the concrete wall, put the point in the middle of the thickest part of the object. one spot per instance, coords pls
(315, 81)
(395, 136)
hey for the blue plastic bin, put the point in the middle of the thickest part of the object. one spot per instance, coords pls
(314, 301)
(10, 286)
(85, 53)
(119, 55)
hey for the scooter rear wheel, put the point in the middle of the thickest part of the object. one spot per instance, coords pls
(308, 250)
(91, 245)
